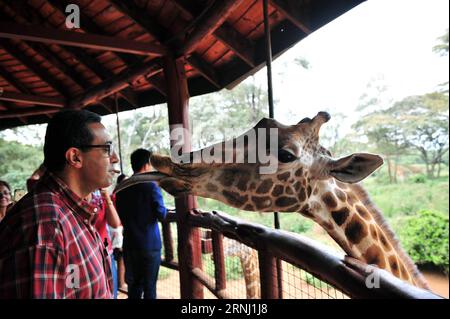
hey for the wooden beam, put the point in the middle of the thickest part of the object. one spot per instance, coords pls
(159, 83)
(296, 11)
(78, 39)
(208, 23)
(89, 26)
(160, 34)
(32, 99)
(25, 14)
(115, 84)
(38, 70)
(13, 81)
(136, 14)
(240, 45)
(28, 112)
(189, 246)
(205, 70)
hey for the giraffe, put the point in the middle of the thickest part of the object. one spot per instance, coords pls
(248, 258)
(307, 180)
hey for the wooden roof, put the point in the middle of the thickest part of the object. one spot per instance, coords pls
(119, 46)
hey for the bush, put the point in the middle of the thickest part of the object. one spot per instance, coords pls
(425, 238)
(418, 179)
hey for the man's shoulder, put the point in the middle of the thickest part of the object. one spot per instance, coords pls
(34, 220)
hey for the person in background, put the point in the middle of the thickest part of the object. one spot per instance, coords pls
(117, 243)
(5, 198)
(33, 179)
(53, 250)
(140, 207)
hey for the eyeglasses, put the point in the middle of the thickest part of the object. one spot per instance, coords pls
(5, 193)
(109, 147)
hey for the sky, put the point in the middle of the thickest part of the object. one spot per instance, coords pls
(387, 39)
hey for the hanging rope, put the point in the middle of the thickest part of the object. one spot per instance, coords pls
(118, 132)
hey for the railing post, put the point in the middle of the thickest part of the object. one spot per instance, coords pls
(219, 260)
(268, 275)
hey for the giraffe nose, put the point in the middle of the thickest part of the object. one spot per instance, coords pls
(322, 116)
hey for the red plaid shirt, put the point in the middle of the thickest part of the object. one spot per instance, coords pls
(49, 247)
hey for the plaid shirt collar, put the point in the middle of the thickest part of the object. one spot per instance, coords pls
(78, 205)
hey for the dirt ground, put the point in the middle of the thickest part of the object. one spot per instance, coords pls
(438, 282)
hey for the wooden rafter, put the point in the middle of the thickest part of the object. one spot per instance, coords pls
(296, 11)
(243, 47)
(205, 69)
(208, 23)
(32, 99)
(78, 39)
(28, 112)
(161, 35)
(89, 26)
(13, 81)
(115, 84)
(43, 74)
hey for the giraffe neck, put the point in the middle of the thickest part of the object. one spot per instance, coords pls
(248, 258)
(249, 263)
(352, 220)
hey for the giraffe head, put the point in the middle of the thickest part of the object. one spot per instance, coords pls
(233, 171)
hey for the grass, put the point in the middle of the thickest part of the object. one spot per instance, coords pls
(409, 198)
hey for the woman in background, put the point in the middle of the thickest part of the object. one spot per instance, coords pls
(5, 198)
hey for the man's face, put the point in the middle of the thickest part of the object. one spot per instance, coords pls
(98, 166)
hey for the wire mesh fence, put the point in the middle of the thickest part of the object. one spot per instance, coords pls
(242, 276)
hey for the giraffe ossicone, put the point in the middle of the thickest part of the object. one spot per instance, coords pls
(307, 180)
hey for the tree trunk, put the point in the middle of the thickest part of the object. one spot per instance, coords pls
(389, 170)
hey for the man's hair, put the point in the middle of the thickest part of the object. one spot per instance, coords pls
(65, 130)
(139, 158)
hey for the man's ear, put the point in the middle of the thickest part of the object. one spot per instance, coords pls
(74, 158)
(355, 167)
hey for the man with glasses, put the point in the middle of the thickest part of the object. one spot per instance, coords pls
(51, 248)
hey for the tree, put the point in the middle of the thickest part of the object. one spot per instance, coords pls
(417, 123)
(19, 161)
(424, 123)
(442, 48)
(384, 134)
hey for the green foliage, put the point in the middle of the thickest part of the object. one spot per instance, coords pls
(416, 123)
(418, 179)
(408, 198)
(425, 238)
(233, 267)
(442, 47)
(18, 162)
(313, 281)
(164, 273)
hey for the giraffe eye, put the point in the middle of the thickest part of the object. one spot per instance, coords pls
(286, 156)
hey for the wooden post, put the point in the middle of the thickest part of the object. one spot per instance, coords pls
(219, 261)
(167, 239)
(189, 244)
(268, 275)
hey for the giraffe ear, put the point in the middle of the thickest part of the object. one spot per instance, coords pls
(355, 167)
